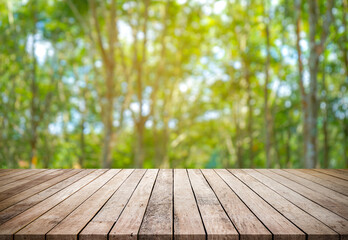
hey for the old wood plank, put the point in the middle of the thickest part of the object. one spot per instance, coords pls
(217, 224)
(42, 225)
(39, 178)
(128, 224)
(247, 224)
(101, 224)
(20, 203)
(280, 227)
(27, 194)
(13, 173)
(7, 172)
(332, 220)
(324, 191)
(187, 221)
(20, 182)
(326, 183)
(15, 224)
(335, 173)
(70, 227)
(307, 223)
(158, 218)
(20, 175)
(326, 177)
(309, 193)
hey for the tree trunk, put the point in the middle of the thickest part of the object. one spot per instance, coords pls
(315, 51)
(345, 60)
(267, 116)
(311, 141)
(345, 38)
(345, 140)
(108, 121)
(288, 147)
(139, 149)
(250, 117)
(304, 100)
(326, 146)
(34, 100)
(239, 146)
(82, 144)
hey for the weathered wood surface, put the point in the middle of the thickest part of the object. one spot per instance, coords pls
(174, 204)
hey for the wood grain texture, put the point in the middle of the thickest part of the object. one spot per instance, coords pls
(330, 202)
(41, 188)
(19, 183)
(326, 177)
(158, 218)
(13, 172)
(325, 191)
(128, 224)
(173, 204)
(74, 223)
(332, 220)
(307, 223)
(10, 227)
(20, 175)
(20, 207)
(247, 224)
(42, 225)
(187, 221)
(31, 182)
(216, 222)
(336, 173)
(101, 224)
(280, 227)
(318, 180)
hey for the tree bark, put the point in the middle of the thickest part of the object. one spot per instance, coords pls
(250, 117)
(139, 149)
(34, 100)
(315, 51)
(345, 60)
(108, 58)
(345, 140)
(267, 116)
(304, 100)
(326, 146)
(239, 144)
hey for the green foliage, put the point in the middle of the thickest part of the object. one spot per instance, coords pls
(194, 87)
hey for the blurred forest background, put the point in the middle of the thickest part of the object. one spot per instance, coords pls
(173, 83)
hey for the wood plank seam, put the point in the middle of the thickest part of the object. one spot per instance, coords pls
(322, 182)
(125, 205)
(147, 204)
(88, 190)
(334, 195)
(276, 201)
(221, 204)
(305, 196)
(333, 174)
(129, 222)
(194, 195)
(280, 226)
(105, 203)
(332, 198)
(89, 178)
(311, 231)
(246, 205)
(330, 219)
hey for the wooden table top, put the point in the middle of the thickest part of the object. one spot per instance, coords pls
(179, 203)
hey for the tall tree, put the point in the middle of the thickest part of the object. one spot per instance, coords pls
(107, 51)
(267, 114)
(316, 49)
